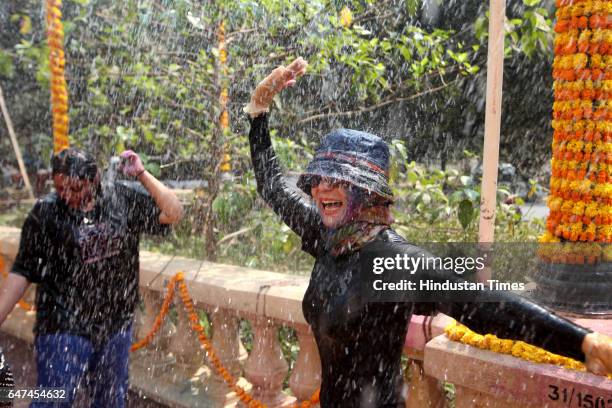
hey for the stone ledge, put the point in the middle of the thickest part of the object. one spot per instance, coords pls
(507, 378)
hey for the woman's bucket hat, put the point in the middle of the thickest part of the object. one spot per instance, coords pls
(359, 158)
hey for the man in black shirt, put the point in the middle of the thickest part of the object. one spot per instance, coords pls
(80, 245)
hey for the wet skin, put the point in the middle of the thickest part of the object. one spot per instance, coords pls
(77, 193)
(331, 198)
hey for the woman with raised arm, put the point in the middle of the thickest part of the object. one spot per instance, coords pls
(360, 343)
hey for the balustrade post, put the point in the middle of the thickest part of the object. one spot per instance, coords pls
(265, 367)
(423, 390)
(228, 348)
(145, 320)
(153, 360)
(185, 347)
(306, 375)
(226, 339)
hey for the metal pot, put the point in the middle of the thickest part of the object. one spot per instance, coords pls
(577, 289)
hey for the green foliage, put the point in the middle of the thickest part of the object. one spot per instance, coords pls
(449, 394)
(15, 216)
(465, 213)
(144, 75)
(530, 34)
(6, 65)
(233, 204)
(446, 205)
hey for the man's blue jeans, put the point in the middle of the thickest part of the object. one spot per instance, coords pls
(70, 362)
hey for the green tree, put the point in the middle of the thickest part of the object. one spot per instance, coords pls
(144, 74)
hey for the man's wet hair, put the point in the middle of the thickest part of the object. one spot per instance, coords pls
(74, 162)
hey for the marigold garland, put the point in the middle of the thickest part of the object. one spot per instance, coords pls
(57, 62)
(580, 198)
(458, 332)
(226, 164)
(159, 319)
(231, 382)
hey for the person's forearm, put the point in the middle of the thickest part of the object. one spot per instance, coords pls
(507, 315)
(169, 204)
(11, 290)
(520, 319)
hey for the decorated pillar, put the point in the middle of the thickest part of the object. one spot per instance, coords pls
(580, 201)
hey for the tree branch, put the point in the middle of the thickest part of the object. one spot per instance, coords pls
(372, 107)
(231, 36)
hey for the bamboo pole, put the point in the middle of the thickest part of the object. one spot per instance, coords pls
(495, 72)
(9, 125)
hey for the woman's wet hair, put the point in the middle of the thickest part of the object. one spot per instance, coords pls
(314, 180)
(367, 198)
(74, 163)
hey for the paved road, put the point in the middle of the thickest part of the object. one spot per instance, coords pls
(20, 356)
(532, 211)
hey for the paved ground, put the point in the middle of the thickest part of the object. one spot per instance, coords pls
(20, 356)
(536, 210)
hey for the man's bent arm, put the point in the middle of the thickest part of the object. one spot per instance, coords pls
(12, 289)
(169, 204)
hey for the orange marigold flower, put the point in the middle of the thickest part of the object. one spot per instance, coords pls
(562, 26)
(595, 21)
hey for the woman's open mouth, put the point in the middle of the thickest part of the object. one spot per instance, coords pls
(331, 204)
(331, 207)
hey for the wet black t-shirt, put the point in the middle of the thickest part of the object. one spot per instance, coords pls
(86, 264)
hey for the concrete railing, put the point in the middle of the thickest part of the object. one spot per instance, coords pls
(172, 369)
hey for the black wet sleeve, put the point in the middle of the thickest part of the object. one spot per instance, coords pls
(143, 212)
(295, 211)
(517, 318)
(508, 316)
(31, 257)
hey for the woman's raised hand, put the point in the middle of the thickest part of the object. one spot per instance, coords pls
(597, 349)
(280, 78)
